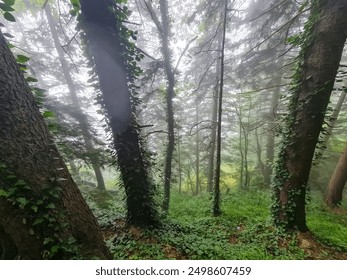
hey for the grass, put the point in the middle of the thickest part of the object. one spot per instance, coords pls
(243, 231)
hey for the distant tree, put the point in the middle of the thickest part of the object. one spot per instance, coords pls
(163, 27)
(114, 58)
(317, 64)
(337, 182)
(42, 212)
(264, 64)
(80, 115)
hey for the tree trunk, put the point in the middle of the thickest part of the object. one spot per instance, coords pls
(102, 31)
(316, 175)
(337, 182)
(197, 152)
(28, 153)
(319, 61)
(270, 139)
(82, 118)
(216, 198)
(212, 149)
(167, 54)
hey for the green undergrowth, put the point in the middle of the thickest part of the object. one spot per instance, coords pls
(243, 231)
(330, 227)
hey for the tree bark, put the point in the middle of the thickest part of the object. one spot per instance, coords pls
(197, 151)
(320, 61)
(337, 182)
(212, 149)
(216, 197)
(82, 118)
(28, 152)
(170, 92)
(102, 31)
(163, 28)
(270, 139)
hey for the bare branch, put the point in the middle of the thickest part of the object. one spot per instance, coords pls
(184, 51)
(154, 16)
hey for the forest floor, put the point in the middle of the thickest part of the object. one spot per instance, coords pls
(243, 231)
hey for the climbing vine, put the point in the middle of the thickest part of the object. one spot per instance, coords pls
(283, 213)
(122, 40)
(43, 216)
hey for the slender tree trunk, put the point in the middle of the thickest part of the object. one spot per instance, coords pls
(197, 152)
(27, 151)
(241, 183)
(103, 36)
(260, 164)
(216, 197)
(167, 54)
(270, 139)
(82, 118)
(337, 182)
(212, 150)
(179, 166)
(246, 143)
(320, 56)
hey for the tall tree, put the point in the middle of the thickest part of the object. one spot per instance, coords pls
(317, 64)
(81, 116)
(42, 211)
(163, 28)
(214, 121)
(216, 197)
(111, 53)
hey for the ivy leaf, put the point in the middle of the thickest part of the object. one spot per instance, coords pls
(22, 201)
(20, 183)
(9, 17)
(75, 3)
(34, 208)
(54, 249)
(38, 221)
(50, 206)
(6, 8)
(9, 45)
(8, 35)
(47, 240)
(3, 193)
(73, 13)
(22, 58)
(48, 114)
(9, 2)
(31, 79)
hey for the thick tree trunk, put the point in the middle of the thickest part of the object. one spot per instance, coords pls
(104, 42)
(27, 151)
(82, 118)
(337, 182)
(320, 61)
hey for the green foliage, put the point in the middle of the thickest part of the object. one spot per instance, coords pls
(328, 226)
(6, 8)
(242, 232)
(106, 206)
(44, 217)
